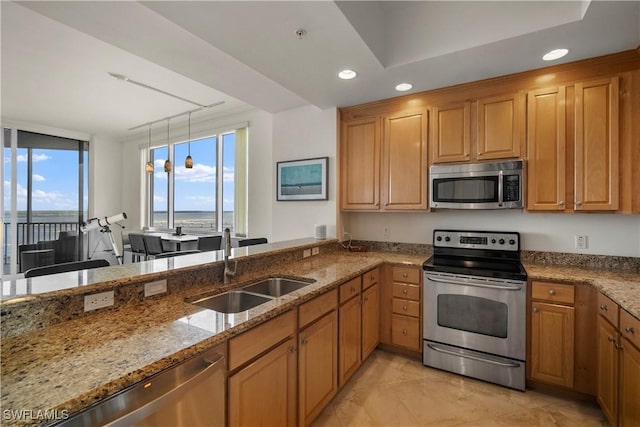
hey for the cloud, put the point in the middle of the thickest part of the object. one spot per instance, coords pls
(38, 178)
(199, 173)
(39, 157)
(159, 199)
(22, 158)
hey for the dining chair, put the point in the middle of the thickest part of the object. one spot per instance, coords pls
(137, 247)
(153, 244)
(66, 266)
(209, 243)
(250, 242)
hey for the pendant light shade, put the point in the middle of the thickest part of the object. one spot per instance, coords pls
(149, 166)
(167, 163)
(188, 162)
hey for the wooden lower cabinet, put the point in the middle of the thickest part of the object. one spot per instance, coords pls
(264, 392)
(350, 339)
(629, 384)
(317, 366)
(552, 343)
(370, 319)
(405, 332)
(608, 370)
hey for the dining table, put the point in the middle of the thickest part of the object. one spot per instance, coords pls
(176, 239)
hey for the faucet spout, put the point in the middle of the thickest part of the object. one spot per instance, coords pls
(228, 271)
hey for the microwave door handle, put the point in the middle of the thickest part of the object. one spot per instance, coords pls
(500, 187)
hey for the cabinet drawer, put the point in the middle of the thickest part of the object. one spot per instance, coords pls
(630, 328)
(553, 292)
(406, 307)
(406, 275)
(257, 340)
(405, 291)
(405, 332)
(350, 289)
(314, 309)
(608, 309)
(370, 278)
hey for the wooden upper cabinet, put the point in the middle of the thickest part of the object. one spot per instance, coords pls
(360, 164)
(451, 133)
(596, 152)
(500, 127)
(546, 139)
(404, 162)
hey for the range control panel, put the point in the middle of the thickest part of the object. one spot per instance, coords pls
(493, 240)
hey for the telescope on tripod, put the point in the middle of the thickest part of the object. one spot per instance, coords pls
(104, 225)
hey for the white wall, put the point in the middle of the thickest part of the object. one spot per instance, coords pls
(607, 234)
(303, 133)
(260, 165)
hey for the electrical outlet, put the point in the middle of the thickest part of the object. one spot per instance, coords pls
(315, 251)
(387, 233)
(581, 241)
(155, 288)
(96, 301)
(306, 253)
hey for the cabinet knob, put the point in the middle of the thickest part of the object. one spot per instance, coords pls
(405, 275)
(292, 349)
(578, 203)
(618, 346)
(305, 341)
(466, 154)
(629, 330)
(404, 332)
(404, 291)
(386, 204)
(552, 292)
(366, 298)
(535, 309)
(376, 205)
(611, 339)
(561, 202)
(404, 307)
(603, 307)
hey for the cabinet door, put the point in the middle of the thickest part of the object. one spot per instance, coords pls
(317, 366)
(552, 343)
(451, 129)
(360, 164)
(350, 339)
(596, 154)
(404, 162)
(546, 140)
(370, 320)
(608, 370)
(500, 127)
(629, 385)
(264, 393)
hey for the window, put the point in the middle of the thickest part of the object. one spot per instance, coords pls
(203, 198)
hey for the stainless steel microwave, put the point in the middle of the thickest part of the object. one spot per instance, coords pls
(486, 185)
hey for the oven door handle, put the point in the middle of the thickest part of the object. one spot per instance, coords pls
(472, 357)
(477, 284)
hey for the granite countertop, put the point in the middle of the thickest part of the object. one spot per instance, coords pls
(71, 365)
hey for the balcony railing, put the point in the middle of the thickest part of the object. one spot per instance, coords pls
(34, 232)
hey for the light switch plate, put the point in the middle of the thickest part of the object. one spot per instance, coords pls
(306, 253)
(581, 241)
(315, 251)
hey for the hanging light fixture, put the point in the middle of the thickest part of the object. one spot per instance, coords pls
(167, 163)
(188, 162)
(149, 166)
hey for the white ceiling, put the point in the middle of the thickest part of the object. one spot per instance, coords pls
(56, 55)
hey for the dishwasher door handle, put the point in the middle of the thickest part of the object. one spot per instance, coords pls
(171, 397)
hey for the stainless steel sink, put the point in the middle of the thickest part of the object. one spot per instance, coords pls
(232, 302)
(275, 286)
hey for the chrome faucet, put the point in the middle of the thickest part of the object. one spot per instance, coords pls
(228, 271)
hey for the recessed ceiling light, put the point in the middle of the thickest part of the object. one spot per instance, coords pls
(555, 54)
(403, 87)
(347, 74)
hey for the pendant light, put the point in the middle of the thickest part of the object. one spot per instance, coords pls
(149, 166)
(188, 162)
(167, 163)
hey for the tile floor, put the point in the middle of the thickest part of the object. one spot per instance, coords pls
(391, 390)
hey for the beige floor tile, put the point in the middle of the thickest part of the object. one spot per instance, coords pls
(392, 390)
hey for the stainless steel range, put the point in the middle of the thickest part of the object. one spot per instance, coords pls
(474, 306)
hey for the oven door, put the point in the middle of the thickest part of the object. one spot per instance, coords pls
(476, 313)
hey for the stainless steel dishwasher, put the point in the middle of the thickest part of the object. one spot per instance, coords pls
(192, 393)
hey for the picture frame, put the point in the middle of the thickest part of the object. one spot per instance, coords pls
(305, 179)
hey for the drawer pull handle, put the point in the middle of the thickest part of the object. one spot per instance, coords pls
(404, 291)
(292, 349)
(305, 341)
(619, 346)
(604, 307)
(404, 332)
(366, 298)
(629, 330)
(404, 307)
(611, 339)
(405, 275)
(552, 292)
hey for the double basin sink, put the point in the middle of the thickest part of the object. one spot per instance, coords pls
(251, 295)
